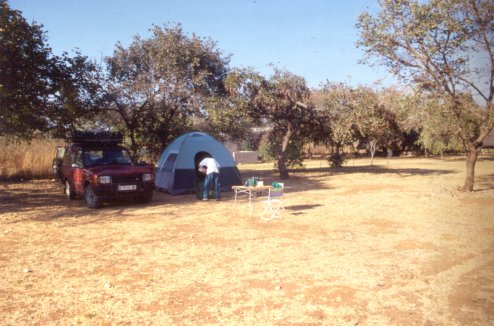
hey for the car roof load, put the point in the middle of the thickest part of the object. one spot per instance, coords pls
(96, 137)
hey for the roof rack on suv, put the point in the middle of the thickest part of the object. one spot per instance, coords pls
(96, 137)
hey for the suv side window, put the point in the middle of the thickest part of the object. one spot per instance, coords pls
(73, 156)
(60, 153)
(67, 157)
(78, 158)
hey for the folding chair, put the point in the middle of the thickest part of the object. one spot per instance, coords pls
(273, 206)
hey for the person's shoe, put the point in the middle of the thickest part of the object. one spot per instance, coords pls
(204, 199)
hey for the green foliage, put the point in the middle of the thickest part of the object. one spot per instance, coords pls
(337, 103)
(336, 160)
(40, 91)
(155, 87)
(269, 150)
(357, 114)
(246, 145)
(266, 151)
(282, 101)
(224, 119)
(78, 97)
(438, 132)
(24, 75)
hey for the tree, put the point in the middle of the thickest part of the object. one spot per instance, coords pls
(156, 85)
(446, 47)
(40, 91)
(25, 67)
(357, 115)
(285, 103)
(426, 124)
(282, 101)
(407, 108)
(337, 102)
(76, 97)
(375, 124)
(226, 119)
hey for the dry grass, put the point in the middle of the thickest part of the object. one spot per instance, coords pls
(382, 245)
(26, 160)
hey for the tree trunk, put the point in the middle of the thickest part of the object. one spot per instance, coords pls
(372, 149)
(282, 169)
(355, 150)
(472, 153)
(134, 148)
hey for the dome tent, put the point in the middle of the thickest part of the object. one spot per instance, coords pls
(176, 171)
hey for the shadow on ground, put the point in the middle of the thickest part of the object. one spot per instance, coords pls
(49, 203)
(374, 169)
(301, 209)
(308, 178)
(485, 182)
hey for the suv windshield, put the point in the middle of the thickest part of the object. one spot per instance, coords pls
(106, 156)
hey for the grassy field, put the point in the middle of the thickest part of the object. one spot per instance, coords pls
(27, 160)
(392, 244)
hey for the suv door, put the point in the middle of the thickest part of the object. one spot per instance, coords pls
(72, 172)
(77, 170)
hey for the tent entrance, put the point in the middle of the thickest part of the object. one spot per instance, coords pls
(200, 177)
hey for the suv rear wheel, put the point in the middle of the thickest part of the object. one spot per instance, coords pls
(92, 200)
(69, 191)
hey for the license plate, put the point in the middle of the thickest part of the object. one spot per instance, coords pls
(127, 187)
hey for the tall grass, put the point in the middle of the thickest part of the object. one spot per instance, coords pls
(27, 160)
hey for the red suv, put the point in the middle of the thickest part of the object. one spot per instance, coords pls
(95, 166)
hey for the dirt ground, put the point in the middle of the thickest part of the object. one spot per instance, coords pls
(393, 244)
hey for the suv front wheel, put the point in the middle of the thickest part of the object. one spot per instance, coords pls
(92, 200)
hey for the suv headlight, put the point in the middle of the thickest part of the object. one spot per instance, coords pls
(147, 177)
(104, 179)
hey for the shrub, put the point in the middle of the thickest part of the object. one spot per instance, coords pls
(268, 152)
(336, 160)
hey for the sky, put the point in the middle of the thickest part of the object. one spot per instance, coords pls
(314, 39)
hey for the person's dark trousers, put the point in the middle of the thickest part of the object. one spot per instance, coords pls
(213, 178)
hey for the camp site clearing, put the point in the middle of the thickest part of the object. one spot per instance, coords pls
(391, 244)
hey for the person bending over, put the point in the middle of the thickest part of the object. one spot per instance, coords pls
(211, 168)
